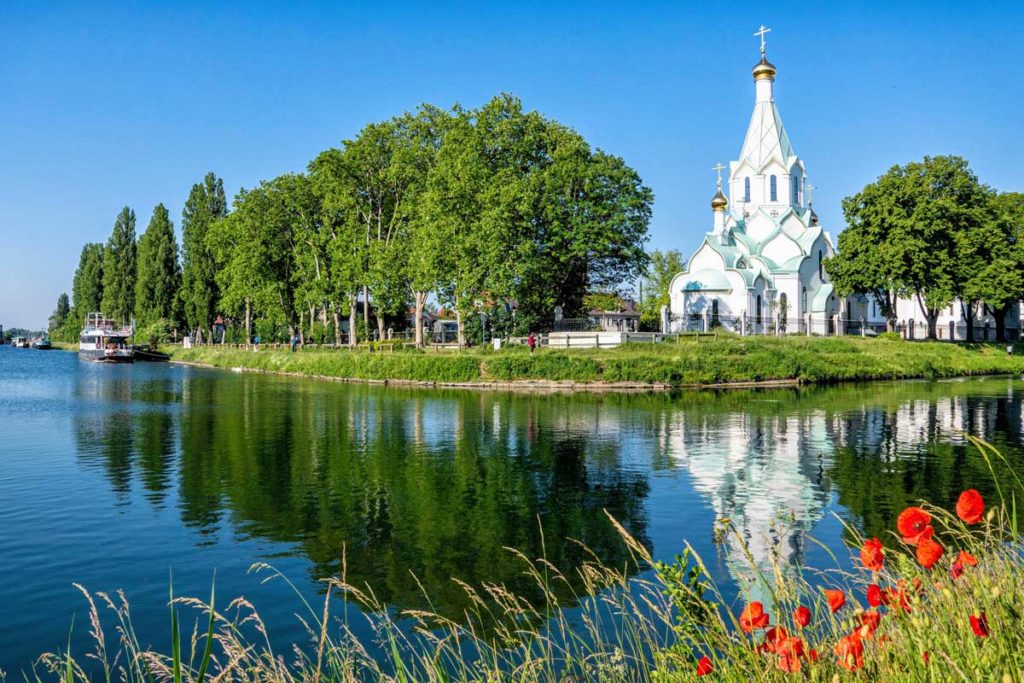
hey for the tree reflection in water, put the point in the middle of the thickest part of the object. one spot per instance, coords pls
(420, 486)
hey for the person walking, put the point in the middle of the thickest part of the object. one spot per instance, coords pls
(531, 341)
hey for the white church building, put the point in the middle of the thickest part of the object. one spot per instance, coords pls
(759, 270)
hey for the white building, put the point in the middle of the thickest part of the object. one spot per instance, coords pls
(759, 269)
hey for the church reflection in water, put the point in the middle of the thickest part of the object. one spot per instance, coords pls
(421, 486)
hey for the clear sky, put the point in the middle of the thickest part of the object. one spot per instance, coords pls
(110, 104)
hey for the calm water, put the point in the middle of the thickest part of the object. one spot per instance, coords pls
(115, 477)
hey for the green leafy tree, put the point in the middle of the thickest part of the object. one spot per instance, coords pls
(663, 266)
(159, 276)
(996, 274)
(60, 315)
(87, 287)
(119, 268)
(906, 233)
(205, 205)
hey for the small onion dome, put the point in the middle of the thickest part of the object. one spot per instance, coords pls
(719, 202)
(814, 218)
(764, 69)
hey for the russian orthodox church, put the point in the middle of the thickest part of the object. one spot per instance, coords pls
(760, 268)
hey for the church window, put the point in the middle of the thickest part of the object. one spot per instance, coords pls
(795, 184)
(714, 313)
(757, 310)
(803, 301)
(820, 270)
(746, 189)
(774, 189)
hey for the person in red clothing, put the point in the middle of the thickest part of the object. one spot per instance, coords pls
(531, 341)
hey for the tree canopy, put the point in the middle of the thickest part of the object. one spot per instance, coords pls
(119, 268)
(156, 288)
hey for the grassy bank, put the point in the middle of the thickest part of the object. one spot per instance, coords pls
(937, 598)
(687, 362)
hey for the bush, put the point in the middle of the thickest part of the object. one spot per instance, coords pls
(890, 336)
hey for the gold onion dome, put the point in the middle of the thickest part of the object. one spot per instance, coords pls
(764, 69)
(719, 202)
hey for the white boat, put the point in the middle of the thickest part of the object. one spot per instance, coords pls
(104, 341)
(19, 343)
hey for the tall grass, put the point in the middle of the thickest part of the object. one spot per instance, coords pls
(654, 628)
(690, 361)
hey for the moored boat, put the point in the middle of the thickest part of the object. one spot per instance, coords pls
(41, 344)
(103, 341)
(19, 343)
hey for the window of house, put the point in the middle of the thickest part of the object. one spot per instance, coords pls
(774, 189)
(746, 189)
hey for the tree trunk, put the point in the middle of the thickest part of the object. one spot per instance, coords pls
(366, 309)
(352, 323)
(380, 327)
(461, 326)
(337, 325)
(1001, 323)
(248, 322)
(968, 313)
(417, 320)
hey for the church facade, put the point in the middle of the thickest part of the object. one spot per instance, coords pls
(760, 268)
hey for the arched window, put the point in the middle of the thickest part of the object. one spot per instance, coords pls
(757, 311)
(820, 270)
(746, 189)
(795, 184)
(803, 302)
(774, 189)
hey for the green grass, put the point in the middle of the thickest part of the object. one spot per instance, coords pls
(691, 361)
(649, 629)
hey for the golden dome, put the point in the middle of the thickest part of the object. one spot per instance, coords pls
(764, 69)
(719, 202)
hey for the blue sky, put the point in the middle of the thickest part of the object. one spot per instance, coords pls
(108, 104)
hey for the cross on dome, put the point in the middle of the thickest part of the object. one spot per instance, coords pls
(719, 167)
(810, 193)
(762, 31)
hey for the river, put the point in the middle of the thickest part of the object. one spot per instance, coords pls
(124, 477)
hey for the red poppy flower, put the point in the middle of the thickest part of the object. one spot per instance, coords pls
(897, 596)
(925, 656)
(850, 651)
(869, 623)
(967, 559)
(875, 597)
(872, 555)
(802, 616)
(979, 624)
(970, 507)
(928, 553)
(704, 666)
(772, 638)
(753, 617)
(914, 524)
(836, 600)
(813, 655)
(790, 652)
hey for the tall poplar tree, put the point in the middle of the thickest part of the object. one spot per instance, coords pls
(156, 288)
(119, 268)
(60, 313)
(199, 294)
(87, 287)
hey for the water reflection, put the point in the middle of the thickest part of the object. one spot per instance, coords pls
(417, 486)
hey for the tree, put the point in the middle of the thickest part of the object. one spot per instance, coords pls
(60, 314)
(87, 287)
(119, 268)
(997, 278)
(206, 204)
(156, 289)
(906, 233)
(663, 266)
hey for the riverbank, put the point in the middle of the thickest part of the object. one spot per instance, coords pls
(691, 362)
